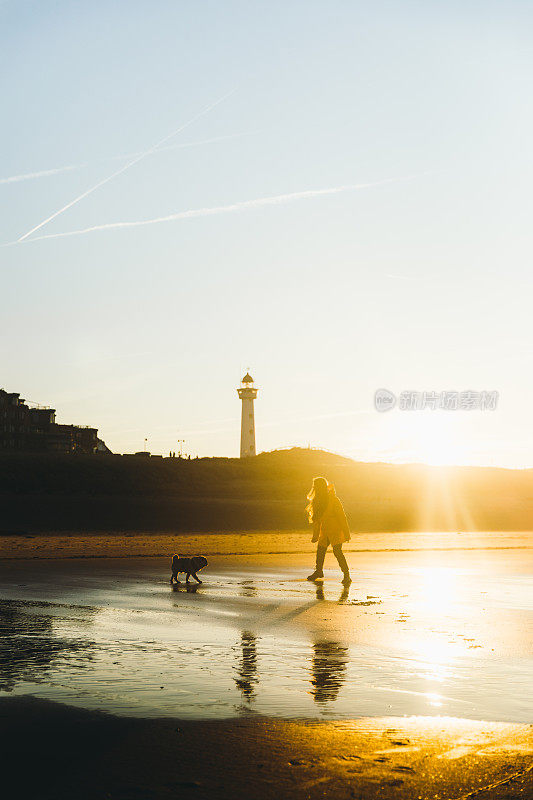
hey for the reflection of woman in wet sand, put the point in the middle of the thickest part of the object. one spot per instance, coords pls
(330, 527)
(247, 673)
(328, 667)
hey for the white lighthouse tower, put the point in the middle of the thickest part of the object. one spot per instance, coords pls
(247, 393)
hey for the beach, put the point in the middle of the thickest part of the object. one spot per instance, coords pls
(412, 682)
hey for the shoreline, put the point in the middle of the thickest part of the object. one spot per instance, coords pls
(292, 542)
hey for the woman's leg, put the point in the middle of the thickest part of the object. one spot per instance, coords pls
(343, 564)
(319, 568)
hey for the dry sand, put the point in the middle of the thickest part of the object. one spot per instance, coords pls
(128, 545)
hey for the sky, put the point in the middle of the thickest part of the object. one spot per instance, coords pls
(336, 196)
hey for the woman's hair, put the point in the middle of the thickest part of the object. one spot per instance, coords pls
(318, 499)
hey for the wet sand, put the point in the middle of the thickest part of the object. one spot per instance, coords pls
(54, 752)
(414, 682)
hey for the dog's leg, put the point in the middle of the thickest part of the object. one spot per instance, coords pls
(196, 578)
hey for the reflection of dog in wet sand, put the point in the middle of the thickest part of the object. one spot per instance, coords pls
(188, 565)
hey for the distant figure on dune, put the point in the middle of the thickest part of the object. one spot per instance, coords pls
(330, 527)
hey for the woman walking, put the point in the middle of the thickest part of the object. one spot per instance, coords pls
(330, 527)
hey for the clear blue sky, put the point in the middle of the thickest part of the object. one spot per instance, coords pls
(422, 282)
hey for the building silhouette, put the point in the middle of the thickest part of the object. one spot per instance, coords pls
(33, 429)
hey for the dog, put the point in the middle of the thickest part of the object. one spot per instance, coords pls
(188, 565)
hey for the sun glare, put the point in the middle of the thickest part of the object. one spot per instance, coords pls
(437, 590)
(432, 438)
(436, 594)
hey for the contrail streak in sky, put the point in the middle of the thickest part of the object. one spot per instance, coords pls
(43, 173)
(125, 167)
(27, 176)
(207, 212)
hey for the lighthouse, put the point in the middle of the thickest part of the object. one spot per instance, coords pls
(247, 393)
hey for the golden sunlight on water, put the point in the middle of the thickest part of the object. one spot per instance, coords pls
(438, 589)
(418, 632)
(436, 594)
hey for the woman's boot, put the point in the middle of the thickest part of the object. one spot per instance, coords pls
(318, 574)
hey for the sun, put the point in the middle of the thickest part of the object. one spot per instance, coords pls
(438, 445)
(432, 437)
